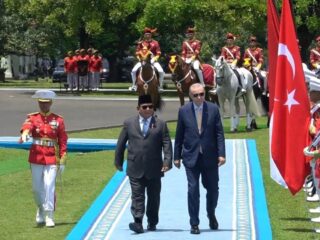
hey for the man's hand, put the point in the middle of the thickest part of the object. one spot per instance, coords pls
(61, 168)
(177, 163)
(312, 154)
(221, 160)
(24, 136)
(165, 168)
(120, 168)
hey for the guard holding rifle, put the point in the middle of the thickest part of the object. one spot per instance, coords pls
(47, 155)
(313, 150)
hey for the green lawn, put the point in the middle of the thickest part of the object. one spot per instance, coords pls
(87, 174)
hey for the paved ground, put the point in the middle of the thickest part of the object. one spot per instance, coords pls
(79, 113)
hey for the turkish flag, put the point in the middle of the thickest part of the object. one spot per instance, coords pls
(273, 40)
(291, 115)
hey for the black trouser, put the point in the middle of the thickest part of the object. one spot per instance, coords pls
(210, 181)
(138, 188)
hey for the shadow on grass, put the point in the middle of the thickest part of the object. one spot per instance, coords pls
(296, 219)
(299, 230)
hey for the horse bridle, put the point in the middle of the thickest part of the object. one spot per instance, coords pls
(146, 82)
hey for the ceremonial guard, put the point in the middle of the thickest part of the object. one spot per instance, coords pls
(313, 150)
(254, 55)
(190, 52)
(47, 155)
(95, 70)
(315, 55)
(232, 55)
(83, 62)
(153, 46)
(70, 69)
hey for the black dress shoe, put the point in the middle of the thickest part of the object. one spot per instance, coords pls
(151, 227)
(213, 223)
(195, 229)
(136, 227)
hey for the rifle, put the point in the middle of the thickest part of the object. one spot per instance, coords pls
(315, 141)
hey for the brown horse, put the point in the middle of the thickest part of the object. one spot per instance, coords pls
(147, 79)
(184, 76)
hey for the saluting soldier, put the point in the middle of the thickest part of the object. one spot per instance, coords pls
(83, 67)
(191, 49)
(47, 155)
(152, 45)
(315, 55)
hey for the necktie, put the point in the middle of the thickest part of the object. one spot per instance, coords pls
(199, 119)
(145, 127)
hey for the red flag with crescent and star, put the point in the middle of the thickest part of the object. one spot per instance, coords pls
(291, 116)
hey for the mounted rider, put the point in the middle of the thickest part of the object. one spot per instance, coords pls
(154, 47)
(232, 55)
(254, 55)
(190, 52)
(315, 55)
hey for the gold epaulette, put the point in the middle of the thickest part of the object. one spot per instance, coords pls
(34, 113)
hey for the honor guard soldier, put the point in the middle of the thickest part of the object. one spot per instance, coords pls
(47, 156)
(190, 52)
(315, 55)
(154, 47)
(95, 67)
(70, 69)
(232, 55)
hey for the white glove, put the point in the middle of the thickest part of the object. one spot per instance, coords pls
(318, 66)
(152, 61)
(24, 137)
(61, 169)
(256, 69)
(188, 60)
(308, 153)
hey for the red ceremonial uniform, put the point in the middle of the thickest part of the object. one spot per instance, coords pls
(255, 54)
(70, 64)
(49, 137)
(95, 64)
(231, 53)
(315, 57)
(190, 48)
(151, 45)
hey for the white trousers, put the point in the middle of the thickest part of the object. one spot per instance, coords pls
(138, 65)
(71, 79)
(95, 80)
(43, 185)
(196, 67)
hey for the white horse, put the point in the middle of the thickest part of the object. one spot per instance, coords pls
(228, 89)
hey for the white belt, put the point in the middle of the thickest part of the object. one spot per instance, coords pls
(43, 142)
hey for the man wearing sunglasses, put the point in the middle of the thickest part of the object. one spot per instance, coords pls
(200, 144)
(147, 136)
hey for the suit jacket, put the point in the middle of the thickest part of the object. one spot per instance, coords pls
(188, 139)
(144, 153)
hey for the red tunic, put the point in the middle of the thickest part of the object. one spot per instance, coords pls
(315, 57)
(190, 48)
(70, 64)
(152, 46)
(231, 53)
(256, 55)
(95, 64)
(46, 127)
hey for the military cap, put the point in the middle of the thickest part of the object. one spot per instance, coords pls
(44, 95)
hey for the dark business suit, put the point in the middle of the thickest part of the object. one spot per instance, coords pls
(187, 147)
(144, 163)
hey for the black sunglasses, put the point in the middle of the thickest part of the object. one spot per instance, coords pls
(144, 107)
(198, 94)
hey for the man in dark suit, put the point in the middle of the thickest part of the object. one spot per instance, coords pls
(147, 136)
(200, 144)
